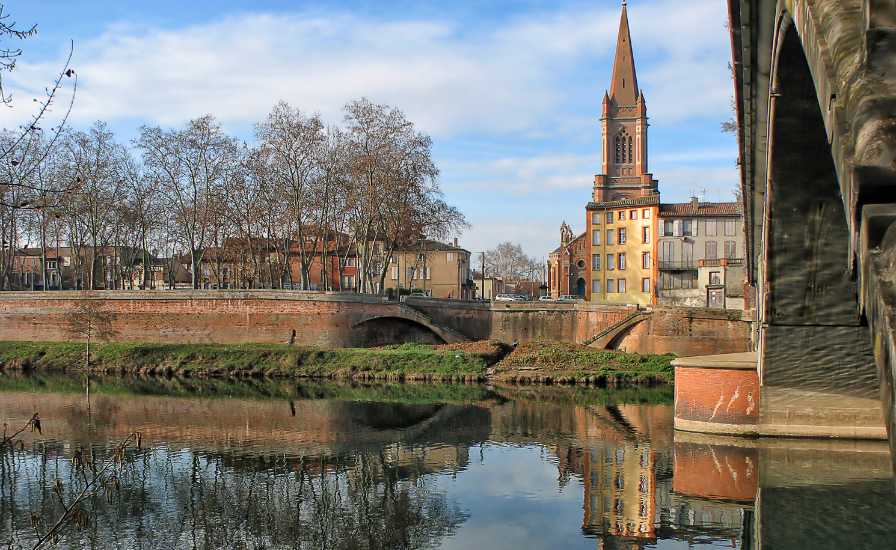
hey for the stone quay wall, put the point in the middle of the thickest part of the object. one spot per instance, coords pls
(340, 320)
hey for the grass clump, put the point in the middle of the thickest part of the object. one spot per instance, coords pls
(559, 362)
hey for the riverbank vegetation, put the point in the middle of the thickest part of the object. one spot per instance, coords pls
(539, 362)
(565, 363)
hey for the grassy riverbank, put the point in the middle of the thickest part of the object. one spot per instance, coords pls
(404, 362)
(564, 363)
(540, 362)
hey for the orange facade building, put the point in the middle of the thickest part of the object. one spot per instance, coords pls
(621, 217)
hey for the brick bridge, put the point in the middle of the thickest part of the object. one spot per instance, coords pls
(815, 85)
(336, 320)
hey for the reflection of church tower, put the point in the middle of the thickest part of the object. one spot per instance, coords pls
(624, 129)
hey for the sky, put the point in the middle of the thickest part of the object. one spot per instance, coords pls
(509, 91)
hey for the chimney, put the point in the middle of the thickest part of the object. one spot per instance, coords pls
(695, 202)
(455, 242)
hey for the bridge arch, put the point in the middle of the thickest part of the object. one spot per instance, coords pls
(808, 290)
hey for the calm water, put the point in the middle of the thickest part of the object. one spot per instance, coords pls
(280, 465)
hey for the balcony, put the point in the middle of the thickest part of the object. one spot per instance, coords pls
(721, 262)
(677, 265)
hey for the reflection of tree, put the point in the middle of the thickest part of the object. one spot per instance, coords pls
(169, 499)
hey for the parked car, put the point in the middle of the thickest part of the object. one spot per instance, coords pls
(507, 298)
(569, 298)
(546, 299)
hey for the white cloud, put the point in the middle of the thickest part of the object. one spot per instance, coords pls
(510, 78)
(520, 175)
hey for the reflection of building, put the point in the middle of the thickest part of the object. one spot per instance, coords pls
(620, 487)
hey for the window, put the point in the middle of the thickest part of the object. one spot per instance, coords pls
(668, 228)
(620, 285)
(595, 261)
(645, 234)
(611, 236)
(645, 260)
(595, 286)
(394, 273)
(710, 228)
(611, 286)
(645, 285)
(712, 250)
(633, 215)
(421, 257)
(730, 249)
(622, 260)
(426, 274)
(623, 144)
(595, 237)
(51, 264)
(687, 228)
(412, 273)
(621, 215)
(621, 235)
(645, 214)
(687, 254)
(609, 217)
(715, 277)
(450, 256)
(595, 218)
(351, 262)
(729, 228)
(611, 262)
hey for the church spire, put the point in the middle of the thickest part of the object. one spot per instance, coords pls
(624, 84)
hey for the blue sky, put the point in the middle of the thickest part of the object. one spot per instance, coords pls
(509, 91)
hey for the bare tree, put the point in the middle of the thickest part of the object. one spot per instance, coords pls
(88, 319)
(294, 141)
(192, 166)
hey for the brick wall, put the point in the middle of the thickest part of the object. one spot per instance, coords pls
(332, 320)
(682, 331)
(197, 317)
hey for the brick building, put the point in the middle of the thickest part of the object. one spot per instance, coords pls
(567, 269)
(617, 259)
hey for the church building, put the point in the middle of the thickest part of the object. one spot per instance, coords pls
(616, 260)
(621, 243)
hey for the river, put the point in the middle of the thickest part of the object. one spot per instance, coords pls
(265, 464)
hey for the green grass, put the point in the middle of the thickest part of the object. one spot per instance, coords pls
(562, 362)
(249, 360)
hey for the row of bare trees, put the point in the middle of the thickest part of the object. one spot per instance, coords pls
(303, 191)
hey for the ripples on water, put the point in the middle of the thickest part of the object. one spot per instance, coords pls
(279, 465)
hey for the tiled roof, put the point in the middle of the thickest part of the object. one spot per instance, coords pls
(694, 209)
(639, 201)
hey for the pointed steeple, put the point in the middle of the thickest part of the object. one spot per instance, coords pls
(624, 84)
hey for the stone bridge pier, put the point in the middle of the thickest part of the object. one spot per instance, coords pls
(815, 85)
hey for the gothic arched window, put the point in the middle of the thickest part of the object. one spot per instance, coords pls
(623, 147)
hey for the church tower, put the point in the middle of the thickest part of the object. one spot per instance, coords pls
(623, 120)
(622, 215)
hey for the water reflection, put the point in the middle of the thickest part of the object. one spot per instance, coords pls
(279, 465)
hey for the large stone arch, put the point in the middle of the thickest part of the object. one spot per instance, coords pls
(816, 84)
(812, 334)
